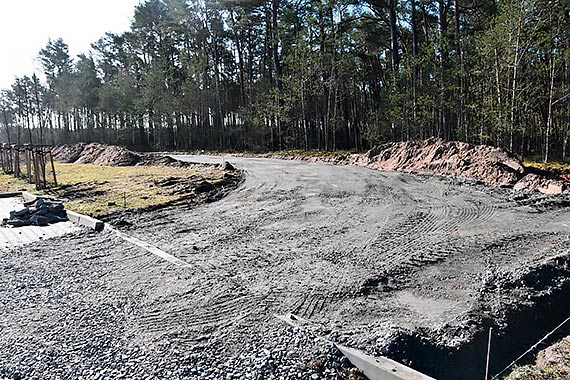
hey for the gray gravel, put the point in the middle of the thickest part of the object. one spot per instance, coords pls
(364, 255)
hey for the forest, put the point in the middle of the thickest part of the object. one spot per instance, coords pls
(329, 75)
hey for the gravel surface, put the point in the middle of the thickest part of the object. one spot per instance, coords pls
(364, 255)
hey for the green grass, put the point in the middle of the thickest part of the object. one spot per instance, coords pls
(10, 184)
(89, 188)
(550, 165)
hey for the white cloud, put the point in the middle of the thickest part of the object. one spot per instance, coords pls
(26, 26)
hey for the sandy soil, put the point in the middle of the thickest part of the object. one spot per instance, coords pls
(413, 267)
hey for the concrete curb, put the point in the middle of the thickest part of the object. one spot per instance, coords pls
(11, 195)
(381, 368)
(84, 220)
(375, 368)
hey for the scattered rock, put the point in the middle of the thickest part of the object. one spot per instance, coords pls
(204, 187)
(535, 182)
(227, 166)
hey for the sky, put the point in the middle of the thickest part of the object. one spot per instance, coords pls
(27, 25)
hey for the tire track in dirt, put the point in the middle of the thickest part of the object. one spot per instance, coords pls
(423, 239)
(314, 240)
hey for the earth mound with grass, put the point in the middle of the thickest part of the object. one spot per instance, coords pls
(103, 180)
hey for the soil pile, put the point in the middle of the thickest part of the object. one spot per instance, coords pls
(110, 155)
(68, 153)
(492, 166)
(95, 153)
(542, 183)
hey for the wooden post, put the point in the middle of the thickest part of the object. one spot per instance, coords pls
(43, 166)
(52, 166)
(16, 161)
(36, 169)
(2, 158)
(9, 166)
(28, 163)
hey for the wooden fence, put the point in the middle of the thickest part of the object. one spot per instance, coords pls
(28, 162)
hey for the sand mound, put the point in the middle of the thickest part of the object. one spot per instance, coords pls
(68, 153)
(492, 166)
(110, 155)
(98, 154)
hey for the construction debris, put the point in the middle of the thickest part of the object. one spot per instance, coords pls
(39, 213)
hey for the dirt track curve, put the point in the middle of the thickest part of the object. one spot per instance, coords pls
(369, 257)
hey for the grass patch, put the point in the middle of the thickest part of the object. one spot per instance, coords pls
(98, 190)
(549, 166)
(10, 184)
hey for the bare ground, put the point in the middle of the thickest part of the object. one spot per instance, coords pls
(413, 267)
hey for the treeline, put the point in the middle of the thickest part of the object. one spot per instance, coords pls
(304, 74)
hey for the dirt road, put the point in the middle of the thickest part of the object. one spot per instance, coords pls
(414, 267)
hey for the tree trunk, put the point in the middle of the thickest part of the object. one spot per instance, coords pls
(394, 45)
(443, 66)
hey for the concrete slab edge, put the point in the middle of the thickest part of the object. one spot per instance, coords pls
(381, 368)
(11, 195)
(150, 248)
(29, 197)
(375, 368)
(84, 220)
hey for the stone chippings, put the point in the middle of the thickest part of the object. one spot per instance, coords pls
(62, 316)
(104, 355)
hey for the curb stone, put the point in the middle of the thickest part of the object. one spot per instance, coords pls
(77, 218)
(10, 195)
(84, 220)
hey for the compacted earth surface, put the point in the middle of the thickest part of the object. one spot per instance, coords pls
(413, 267)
